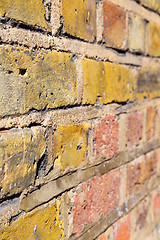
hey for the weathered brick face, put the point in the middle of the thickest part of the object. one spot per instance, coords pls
(70, 145)
(153, 39)
(114, 21)
(23, 149)
(151, 123)
(107, 82)
(35, 80)
(91, 201)
(137, 27)
(79, 18)
(44, 223)
(79, 119)
(106, 137)
(29, 12)
(134, 129)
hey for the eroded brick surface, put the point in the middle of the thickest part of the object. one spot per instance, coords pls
(36, 80)
(20, 151)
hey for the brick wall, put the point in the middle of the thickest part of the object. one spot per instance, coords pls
(80, 119)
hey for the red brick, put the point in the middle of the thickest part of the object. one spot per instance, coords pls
(96, 198)
(141, 170)
(106, 137)
(156, 204)
(151, 164)
(141, 215)
(136, 175)
(114, 21)
(150, 123)
(122, 229)
(134, 129)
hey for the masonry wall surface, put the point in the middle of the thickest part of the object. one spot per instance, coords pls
(80, 119)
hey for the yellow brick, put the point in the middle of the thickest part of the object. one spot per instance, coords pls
(136, 33)
(148, 83)
(30, 12)
(20, 151)
(92, 75)
(71, 147)
(80, 18)
(111, 82)
(152, 4)
(119, 84)
(35, 80)
(41, 224)
(154, 39)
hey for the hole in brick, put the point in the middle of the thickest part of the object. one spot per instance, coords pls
(52, 93)
(76, 11)
(79, 147)
(22, 71)
(9, 71)
(40, 95)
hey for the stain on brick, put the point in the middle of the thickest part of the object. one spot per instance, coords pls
(148, 83)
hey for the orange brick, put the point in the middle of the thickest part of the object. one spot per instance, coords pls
(114, 21)
(122, 229)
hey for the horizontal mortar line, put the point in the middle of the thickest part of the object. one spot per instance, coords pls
(75, 114)
(55, 187)
(105, 222)
(100, 52)
(136, 8)
(74, 46)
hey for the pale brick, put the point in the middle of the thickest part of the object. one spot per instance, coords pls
(137, 33)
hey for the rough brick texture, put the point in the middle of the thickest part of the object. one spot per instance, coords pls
(80, 119)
